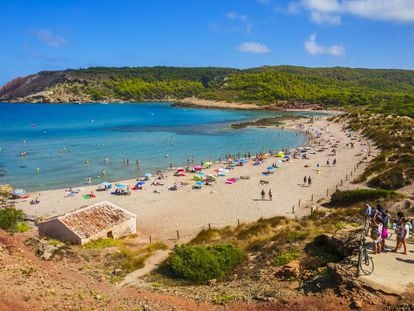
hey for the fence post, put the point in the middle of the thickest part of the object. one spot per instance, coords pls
(293, 209)
(311, 210)
(299, 203)
(327, 192)
(209, 226)
(312, 198)
(342, 182)
(351, 173)
(346, 177)
(150, 238)
(238, 222)
(178, 235)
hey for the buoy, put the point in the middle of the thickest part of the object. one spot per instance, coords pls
(37, 169)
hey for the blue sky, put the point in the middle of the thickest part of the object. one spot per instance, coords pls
(49, 35)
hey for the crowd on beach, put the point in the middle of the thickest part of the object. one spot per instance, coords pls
(380, 221)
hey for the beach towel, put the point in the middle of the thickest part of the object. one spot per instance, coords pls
(86, 196)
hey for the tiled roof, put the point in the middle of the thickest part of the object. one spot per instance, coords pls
(92, 219)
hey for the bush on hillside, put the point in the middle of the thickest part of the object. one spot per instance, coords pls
(349, 197)
(10, 218)
(199, 263)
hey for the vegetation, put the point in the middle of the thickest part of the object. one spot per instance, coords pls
(393, 168)
(285, 257)
(102, 243)
(10, 219)
(379, 90)
(199, 263)
(349, 197)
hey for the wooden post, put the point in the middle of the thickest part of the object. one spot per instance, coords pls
(296, 217)
(312, 198)
(150, 239)
(178, 235)
(299, 203)
(311, 210)
(351, 173)
(327, 192)
(342, 182)
(293, 209)
(238, 222)
(209, 226)
(346, 177)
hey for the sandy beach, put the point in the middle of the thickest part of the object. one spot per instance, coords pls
(189, 210)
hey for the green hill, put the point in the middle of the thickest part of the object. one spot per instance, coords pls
(379, 90)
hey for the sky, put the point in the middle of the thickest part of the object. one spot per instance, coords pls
(38, 35)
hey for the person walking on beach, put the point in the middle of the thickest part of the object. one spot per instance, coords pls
(270, 194)
(334, 162)
(327, 162)
(304, 181)
(263, 194)
(309, 181)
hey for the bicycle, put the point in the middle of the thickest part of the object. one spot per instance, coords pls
(365, 262)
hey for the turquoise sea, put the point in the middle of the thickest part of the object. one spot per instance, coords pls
(67, 143)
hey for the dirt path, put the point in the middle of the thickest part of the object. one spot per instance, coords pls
(151, 263)
(393, 272)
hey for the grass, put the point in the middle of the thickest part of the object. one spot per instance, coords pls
(103, 243)
(222, 299)
(285, 257)
(130, 259)
(350, 197)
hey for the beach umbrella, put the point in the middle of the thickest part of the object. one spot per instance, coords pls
(148, 175)
(140, 183)
(222, 174)
(180, 169)
(197, 177)
(121, 186)
(197, 167)
(199, 183)
(280, 154)
(270, 168)
(243, 160)
(181, 174)
(19, 192)
(200, 173)
(105, 184)
(208, 163)
(210, 177)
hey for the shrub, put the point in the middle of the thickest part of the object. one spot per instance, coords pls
(9, 218)
(22, 227)
(198, 263)
(285, 257)
(349, 197)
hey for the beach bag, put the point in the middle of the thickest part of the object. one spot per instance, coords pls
(384, 233)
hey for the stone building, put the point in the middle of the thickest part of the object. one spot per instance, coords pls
(100, 220)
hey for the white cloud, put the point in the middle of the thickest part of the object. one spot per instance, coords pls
(293, 8)
(48, 37)
(329, 11)
(241, 18)
(325, 18)
(236, 16)
(314, 48)
(253, 47)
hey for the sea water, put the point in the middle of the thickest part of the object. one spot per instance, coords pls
(66, 144)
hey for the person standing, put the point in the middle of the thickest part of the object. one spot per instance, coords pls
(309, 181)
(270, 195)
(304, 181)
(263, 194)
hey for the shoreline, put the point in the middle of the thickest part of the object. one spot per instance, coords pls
(221, 204)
